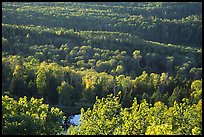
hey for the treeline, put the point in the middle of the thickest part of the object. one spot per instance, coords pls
(112, 52)
(176, 23)
(29, 116)
(68, 53)
(66, 86)
(107, 117)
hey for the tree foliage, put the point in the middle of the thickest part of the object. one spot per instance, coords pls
(107, 117)
(68, 53)
(29, 117)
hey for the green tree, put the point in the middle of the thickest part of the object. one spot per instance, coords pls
(29, 117)
(163, 129)
(65, 94)
(137, 56)
(103, 119)
(17, 83)
(41, 80)
(119, 69)
(196, 87)
(5, 44)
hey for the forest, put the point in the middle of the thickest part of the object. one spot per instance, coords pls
(128, 68)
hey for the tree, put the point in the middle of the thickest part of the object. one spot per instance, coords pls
(29, 117)
(137, 56)
(101, 120)
(108, 117)
(170, 62)
(134, 119)
(156, 96)
(175, 96)
(196, 87)
(89, 92)
(65, 94)
(163, 129)
(5, 44)
(145, 96)
(119, 69)
(41, 80)
(40, 56)
(196, 73)
(17, 82)
(6, 74)
(141, 83)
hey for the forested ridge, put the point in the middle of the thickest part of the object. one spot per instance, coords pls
(130, 68)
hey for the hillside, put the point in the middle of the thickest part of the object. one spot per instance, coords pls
(71, 53)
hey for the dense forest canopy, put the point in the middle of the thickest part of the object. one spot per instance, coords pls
(105, 60)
